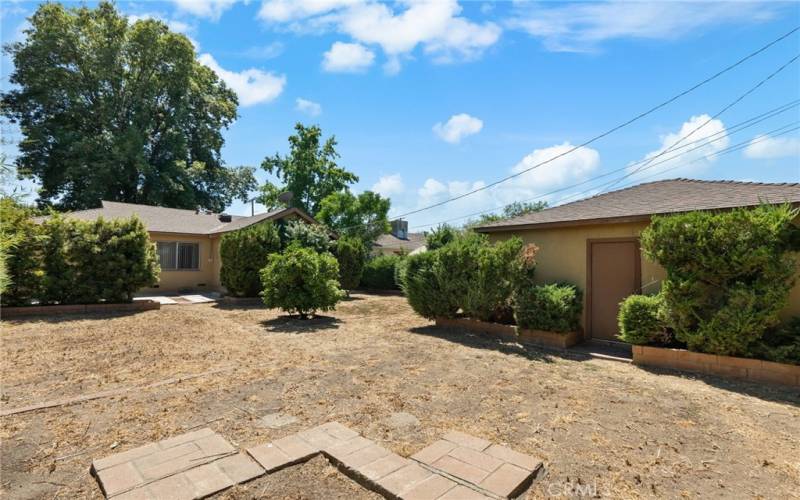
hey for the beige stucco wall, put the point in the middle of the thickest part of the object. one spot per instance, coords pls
(205, 278)
(562, 257)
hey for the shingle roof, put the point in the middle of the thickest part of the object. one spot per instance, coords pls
(651, 198)
(414, 241)
(176, 220)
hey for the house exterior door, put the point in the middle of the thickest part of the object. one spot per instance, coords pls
(614, 273)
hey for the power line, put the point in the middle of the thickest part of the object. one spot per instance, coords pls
(750, 122)
(612, 130)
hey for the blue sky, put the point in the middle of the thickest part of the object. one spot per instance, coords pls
(430, 100)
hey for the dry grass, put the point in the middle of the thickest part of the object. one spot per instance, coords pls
(623, 430)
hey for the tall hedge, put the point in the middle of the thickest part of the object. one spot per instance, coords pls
(22, 253)
(301, 281)
(380, 272)
(68, 261)
(351, 255)
(488, 294)
(425, 286)
(244, 253)
(728, 274)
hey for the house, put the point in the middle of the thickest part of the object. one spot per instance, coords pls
(187, 241)
(594, 242)
(399, 240)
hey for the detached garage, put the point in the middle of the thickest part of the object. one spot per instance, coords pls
(594, 243)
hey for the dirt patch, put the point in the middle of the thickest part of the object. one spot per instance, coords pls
(599, 426)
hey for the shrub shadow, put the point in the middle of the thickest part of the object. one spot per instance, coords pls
(67, 317)
(293, 324)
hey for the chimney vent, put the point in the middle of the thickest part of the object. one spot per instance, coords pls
(224, 217)
(400, 229)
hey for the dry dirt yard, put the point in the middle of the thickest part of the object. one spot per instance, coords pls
(601, 427)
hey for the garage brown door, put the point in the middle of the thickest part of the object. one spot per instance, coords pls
(613, 274)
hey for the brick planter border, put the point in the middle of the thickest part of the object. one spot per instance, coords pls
(514, 333)
(754, 370)
(51, 310)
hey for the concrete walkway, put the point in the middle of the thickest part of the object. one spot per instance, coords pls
(202, 463)
(186, 299)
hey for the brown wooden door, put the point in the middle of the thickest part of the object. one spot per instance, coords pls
(614, 273)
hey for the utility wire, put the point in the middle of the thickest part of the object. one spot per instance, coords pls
(612, 130)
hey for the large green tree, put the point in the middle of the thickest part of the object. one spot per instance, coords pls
(309, 171)
(120, 111)
(363, 216)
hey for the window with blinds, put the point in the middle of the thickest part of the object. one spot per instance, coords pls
(174, 255)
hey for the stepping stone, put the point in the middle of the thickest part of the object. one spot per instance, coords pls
(134, 468)
(429, 489)
(466, 440)
(277, 420)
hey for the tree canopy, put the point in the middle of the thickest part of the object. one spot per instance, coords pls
(121, 111)
(309, 171)
(514, 209)
(364, 216)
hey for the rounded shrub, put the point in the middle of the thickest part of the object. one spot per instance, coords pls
(244, 253)
(379, 273)
(440, 237)
(553, 308)
(423, 287)
(301, 281)
(313, 236)
(351, 255)
(489, 288)
(641, 319)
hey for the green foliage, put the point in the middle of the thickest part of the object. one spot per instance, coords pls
(509, 211)
(379, 273)
(301, 281)
(20, 244)
(313, 236)
(351, 255)
(309, 171)
(400, 269)
(244, 253)
(119, 111)
(363, 216)
(728, 274)
(524, 267)
(441, 236)
(490, 286)
(641, 320)
(552, 308)
(424, 286)
(781, 344)
(458, 265)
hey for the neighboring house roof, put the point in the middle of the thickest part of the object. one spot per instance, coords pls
(176, 220)
(390, 241)
(644, 200)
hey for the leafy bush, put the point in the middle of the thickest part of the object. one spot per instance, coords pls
(423, 286)
(400, 268)
(379, 273)
(641, 319)
(781, 344)
(244, 253)
(440, 237)
(351, 255)
(553, 308)
(313, 236)
(728, 274)
(21, 248)
(301, 281)
(524, 267)
(489, 287)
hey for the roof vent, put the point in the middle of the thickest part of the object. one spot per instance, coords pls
(224, 217)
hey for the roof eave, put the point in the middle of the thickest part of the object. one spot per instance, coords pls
(566, 223)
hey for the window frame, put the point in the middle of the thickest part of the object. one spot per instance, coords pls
(176, 252)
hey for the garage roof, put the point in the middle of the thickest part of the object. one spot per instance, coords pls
(642, 201)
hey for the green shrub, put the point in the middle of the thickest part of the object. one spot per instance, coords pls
(781, 344)
(423, 286)
(552, 308)
(351, 255)
(458, 266)
(441, 236)
(524, 267)
(641, 319)
(489, 287)
(301, 281)
(313, 236)
(21, 239)
(400, 268)
(728, 274)
(244, 253)
(379, 273)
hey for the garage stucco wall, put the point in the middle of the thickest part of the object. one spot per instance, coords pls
(204, 278)
(562, 257)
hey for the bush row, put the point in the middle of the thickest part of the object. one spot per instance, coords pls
(489, 282)
(68, 261)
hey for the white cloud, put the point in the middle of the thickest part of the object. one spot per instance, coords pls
(389, 185)
(458, 127)
(308, 107)
(347, 58)
(434, 25)
(253, 86)
(764, 147)
(698, 142)
(571, 167)
(584, 26)
(210, 9)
